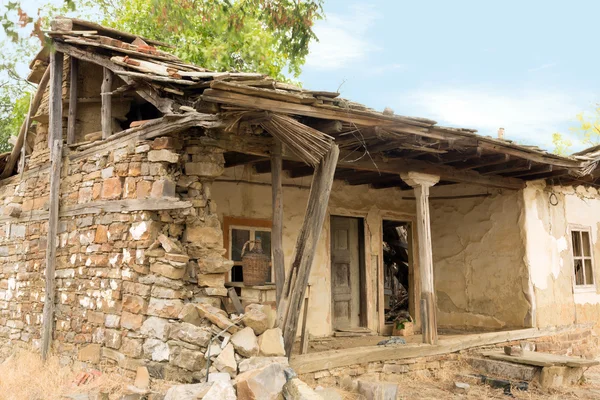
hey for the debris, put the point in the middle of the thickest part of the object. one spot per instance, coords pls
(461, 387)
(378, 390)
(142, 378)
(188, 392)
(271, 343)
(295, 389)
(265, 383)
(220, 390)
(225, 362)
(245, 342)
(392, 340)
(513, 350)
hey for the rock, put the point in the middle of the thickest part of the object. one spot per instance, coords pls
(271, 344)
(513, 350)
(189, 333)
(188, 392)
(259, 317)
(186, 358)
(157, 350)
(207, 236)
(378, 390)
(170, 245)
(330, 393)
(163, 155)
(89, 353)
(142, 378)
(164, 307)
(265, 383)
(295, 389)
(461, 387)
(260, 362)
(216, 316)
(211, 280)
(189, 314)
(167, 270)
(155, 327)
(220, 390)
(225, 362)
(245, 342)
(214, 265)
(391, 341)
(219, 376)
(213, 350)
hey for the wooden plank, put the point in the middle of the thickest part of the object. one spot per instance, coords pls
(542, 359)
(277, 227)
(55, 121)
(56, 160)
(520, 165)
(146, 92)
(72, 101)
(327, 360)
(235, 300)
(274, 94)
(305, 335)
(106, 109)
(297, 279)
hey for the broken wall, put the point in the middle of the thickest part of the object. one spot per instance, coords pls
(481, 280)
(549, 211)
(239, 193)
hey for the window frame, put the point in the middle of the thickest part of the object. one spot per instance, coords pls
(585, 287)
(250, 224)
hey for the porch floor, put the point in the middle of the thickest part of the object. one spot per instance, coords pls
(317, 345)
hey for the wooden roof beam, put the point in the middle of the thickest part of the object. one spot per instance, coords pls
(233, 159)
(533, 171)
(506, 168)
(482, 162)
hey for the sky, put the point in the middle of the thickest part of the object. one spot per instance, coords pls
(527, 66)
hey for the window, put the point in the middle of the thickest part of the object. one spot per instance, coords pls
(238, 231)
(583, 264)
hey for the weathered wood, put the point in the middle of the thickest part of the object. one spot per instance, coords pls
(157, 78)
(288, 311)
(148, 93)
(304, 338)
(106, 110)
(235, 300)
(277, 227)
(520, 165)
(542, 359)
(48, 312)
(114, 32)
(327, 360)
(55, 118)
(24, 146)
(72, 101)
(421, 184)
(265, 93)
(482, 161)
(20, 143)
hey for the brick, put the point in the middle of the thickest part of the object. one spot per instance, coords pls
(131, 321)
(101, 234)
(143, 189)
(163, 188)
(85, 195)
(134, 304)
(129, 190)
(163, 155)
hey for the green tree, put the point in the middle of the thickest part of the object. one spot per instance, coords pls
(266, 36)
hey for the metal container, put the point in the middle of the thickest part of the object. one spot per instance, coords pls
(255, 264)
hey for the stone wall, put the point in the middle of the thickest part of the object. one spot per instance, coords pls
(481, 280)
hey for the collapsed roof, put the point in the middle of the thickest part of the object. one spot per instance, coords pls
(375, 146)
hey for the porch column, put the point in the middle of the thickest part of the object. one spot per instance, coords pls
(421, 183)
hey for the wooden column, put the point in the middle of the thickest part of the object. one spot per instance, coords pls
(72, 101)
(55, 120)
(55, 133)
(288, 311)
(106, 110)
(277, 227)
(421, 184)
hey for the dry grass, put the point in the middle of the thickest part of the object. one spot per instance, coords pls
(24, 376)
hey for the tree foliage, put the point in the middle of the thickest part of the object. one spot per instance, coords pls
(588, 131)
(266, 36)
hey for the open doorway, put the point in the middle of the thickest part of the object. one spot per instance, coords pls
(397, 271)
(348, 291)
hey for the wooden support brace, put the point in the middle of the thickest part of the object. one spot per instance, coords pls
(288, 311)
(72, 101)
(106, 103)
(277, 225)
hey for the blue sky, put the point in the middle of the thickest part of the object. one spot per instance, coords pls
(527, 66)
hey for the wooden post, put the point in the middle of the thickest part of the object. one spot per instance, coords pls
(288, 311)
(55, 122)
(72, 101)
(277, 227)
(55, 132)
(421, 184)
(106, 110)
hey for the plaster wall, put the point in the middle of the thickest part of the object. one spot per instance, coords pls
(549, 213)
(480, 278)
(249, 196)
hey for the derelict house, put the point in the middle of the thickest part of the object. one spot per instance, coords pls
(367, 218)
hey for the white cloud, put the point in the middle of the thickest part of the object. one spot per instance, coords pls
(342, 38)
(541, 67)
(528, 116)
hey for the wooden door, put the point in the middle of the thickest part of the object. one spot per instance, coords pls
(345, 272)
